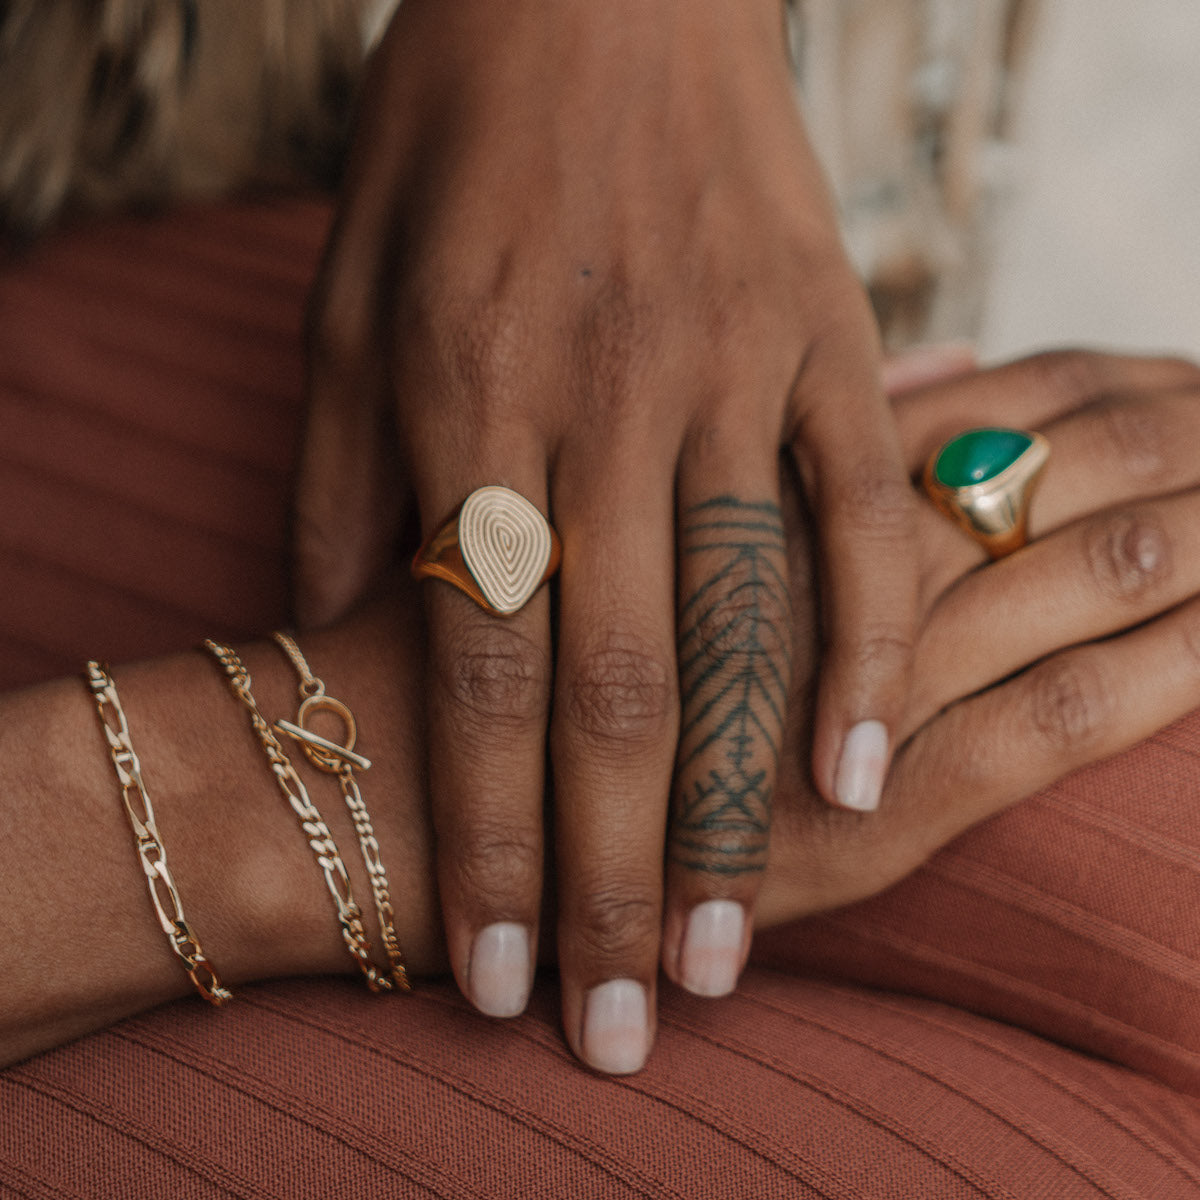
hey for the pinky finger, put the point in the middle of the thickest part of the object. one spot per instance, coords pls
(1073, 709)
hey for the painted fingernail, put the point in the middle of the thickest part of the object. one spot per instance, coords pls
(928, 363)
(860, 772)
(711, 957)
(500, 974)
(616, 1027)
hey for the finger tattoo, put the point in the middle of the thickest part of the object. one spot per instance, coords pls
(735, 669)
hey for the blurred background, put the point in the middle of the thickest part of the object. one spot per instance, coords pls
(1024, 173)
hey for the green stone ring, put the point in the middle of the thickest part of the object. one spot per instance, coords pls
(983, 481)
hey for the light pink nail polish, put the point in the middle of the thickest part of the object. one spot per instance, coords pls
(861, 769)
(710, 959)
(616, 1029)
(920, 366)
(500, 974)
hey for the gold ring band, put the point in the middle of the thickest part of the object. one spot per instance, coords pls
(497, 548)
(983, 481)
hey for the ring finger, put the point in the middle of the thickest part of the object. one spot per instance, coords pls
(489, 699)
(1113, 450)
(734, 647)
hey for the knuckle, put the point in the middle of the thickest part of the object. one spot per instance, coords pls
(728, 312)
(881, 653)
(1187, 369)
(614, 346)
(748, 626)
(473, 340)
(1128, 554)
(728, 849)
(486, 345)
(621, 692)
(496, 674)
(1189, 635)
(616, 917)
(877, 501)
(496, 863)
(1073, 376)
(1133, 438)
(1070, 707)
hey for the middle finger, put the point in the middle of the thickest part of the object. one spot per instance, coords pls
(613, 735)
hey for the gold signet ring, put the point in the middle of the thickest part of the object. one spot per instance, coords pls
(498, 548)
(983, 480)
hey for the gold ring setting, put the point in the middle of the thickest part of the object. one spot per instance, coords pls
(983, 480)
(497, 548)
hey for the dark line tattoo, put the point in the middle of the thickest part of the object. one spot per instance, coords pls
(735, 668)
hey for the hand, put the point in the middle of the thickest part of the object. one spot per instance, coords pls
(585, 251)
(1075, 648)
(1115, 557)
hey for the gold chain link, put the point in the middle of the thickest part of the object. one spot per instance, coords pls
(320, 840)
(340, 760)
(140, 812)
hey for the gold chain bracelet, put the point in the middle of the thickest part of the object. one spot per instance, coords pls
(320, 840)
(139, 810)
(340, 759)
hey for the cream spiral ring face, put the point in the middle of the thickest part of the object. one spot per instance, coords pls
(505, 544)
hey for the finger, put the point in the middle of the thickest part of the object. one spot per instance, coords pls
(923, 366)
(488, 702)
(734, 649)
(349, 497)
(1111, 452)
(848, 450)
(1075, 708)
(1118, 449)
(1112, 570)
(1028, 394)
(613, 737)
(984, 753)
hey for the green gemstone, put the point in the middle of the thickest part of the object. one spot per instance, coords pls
(979, 455)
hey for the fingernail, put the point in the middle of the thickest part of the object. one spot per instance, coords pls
(499, 977)
(710, 959)
(860, 772)
(918, 366)
(615, 1027)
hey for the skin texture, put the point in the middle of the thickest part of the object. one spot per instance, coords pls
(584, 250)
(1063, 654)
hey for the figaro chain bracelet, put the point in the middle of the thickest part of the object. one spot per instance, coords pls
(320, 840)
(150, 849)
(341, 760)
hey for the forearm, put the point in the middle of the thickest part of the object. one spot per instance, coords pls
(80, 946)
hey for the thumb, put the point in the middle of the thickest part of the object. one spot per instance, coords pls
(348, 501)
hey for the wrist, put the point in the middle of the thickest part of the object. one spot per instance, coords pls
(275, 908)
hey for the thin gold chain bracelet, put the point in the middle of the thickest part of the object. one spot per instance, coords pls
(316, 832)
(340, 759)
(140, 812)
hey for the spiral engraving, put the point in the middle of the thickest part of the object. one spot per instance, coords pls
(505, 543)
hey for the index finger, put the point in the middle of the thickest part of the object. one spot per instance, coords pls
(1028, 393)
(856, 480)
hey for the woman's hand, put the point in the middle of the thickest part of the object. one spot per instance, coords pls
(1075, 648)
(1062, 654)
(585, 252)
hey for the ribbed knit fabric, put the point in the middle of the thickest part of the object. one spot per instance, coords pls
(791, 1089)
(1020, 1019)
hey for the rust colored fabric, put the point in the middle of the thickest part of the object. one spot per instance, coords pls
(1019, 1019)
